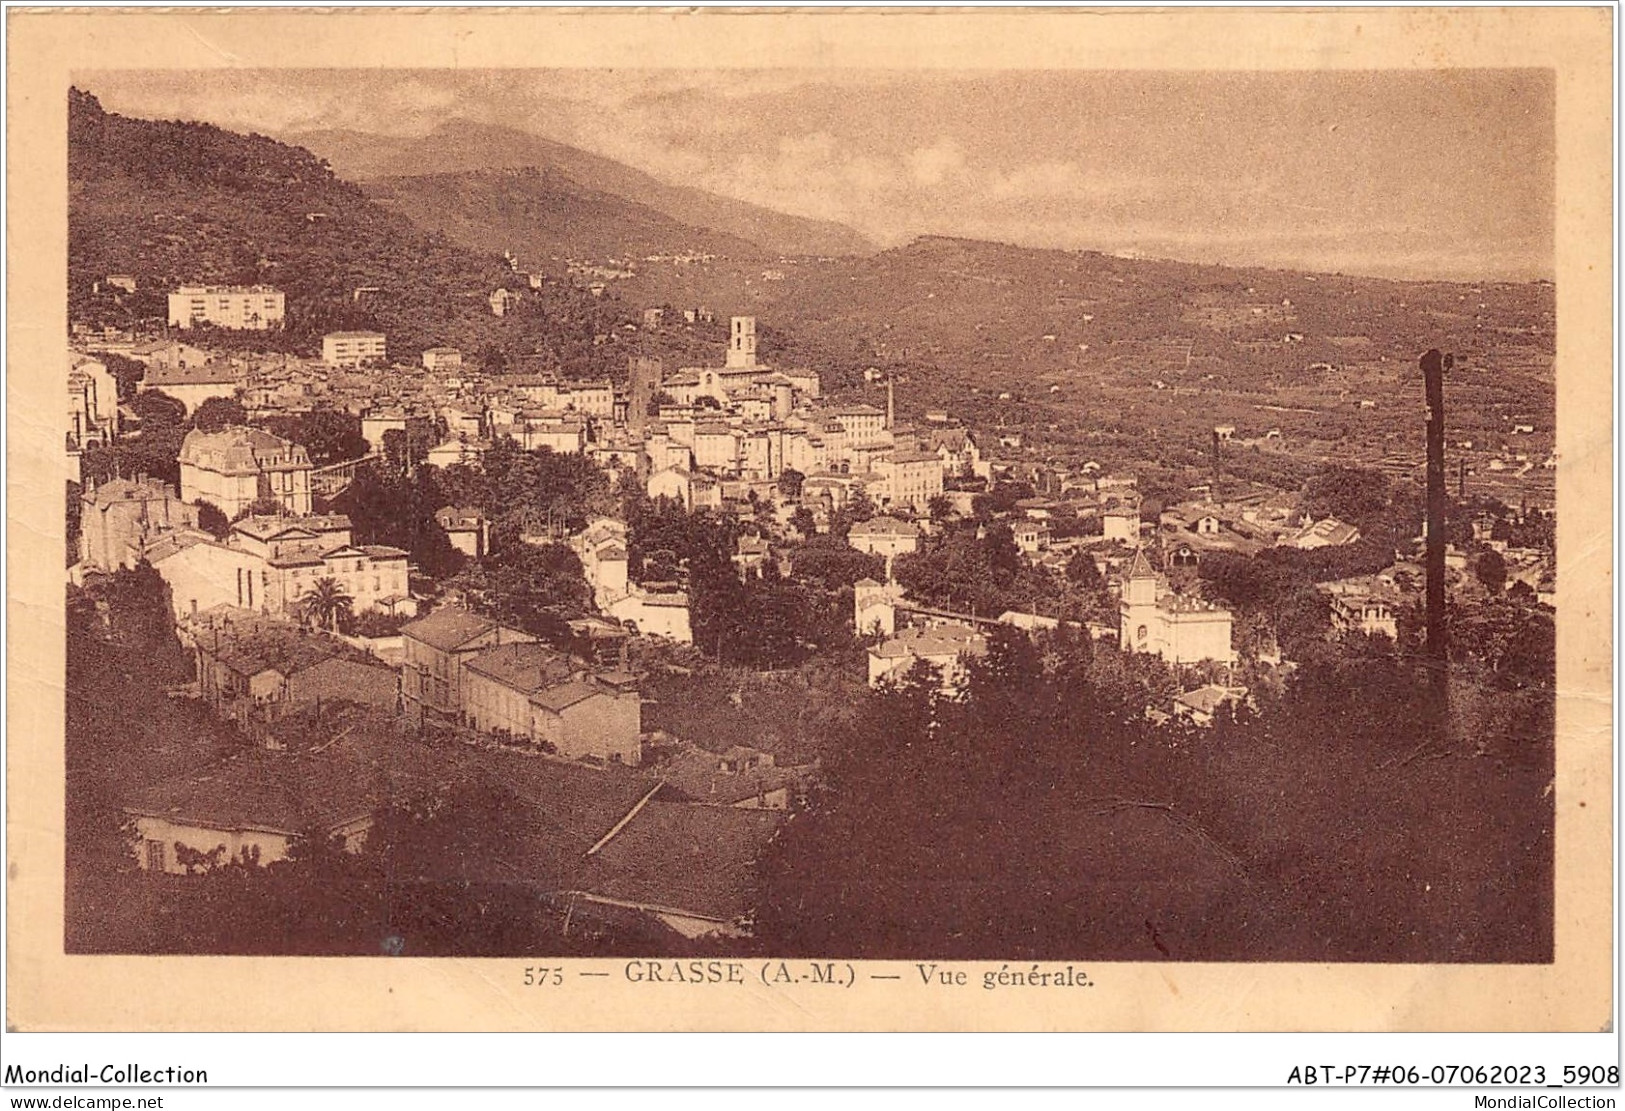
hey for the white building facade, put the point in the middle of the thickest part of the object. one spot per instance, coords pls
(241, 308)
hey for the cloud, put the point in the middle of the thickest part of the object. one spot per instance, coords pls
(931, 166)
(1040, 179)
(811, 174)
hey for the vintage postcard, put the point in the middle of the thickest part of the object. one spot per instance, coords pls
(810, 520)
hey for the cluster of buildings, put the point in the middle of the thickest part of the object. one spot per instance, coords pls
(601, 829)
(464, 669)
(659, 610)
(280, 565)
(261, 308)
(252, 668)
(276, 551)
(745, 424)
(698, 435)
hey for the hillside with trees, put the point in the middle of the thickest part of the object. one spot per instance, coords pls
(1129, 360)
(174, 203)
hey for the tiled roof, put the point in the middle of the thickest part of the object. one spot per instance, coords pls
(1207, 699)
(268, 528)
(209, 374)
(173, 543)
(294, 792)
(253, 645)
(1329, 531)
(884, 526)
(675, 856)
(943, 640)
(127, 489)
(337, 679)
(527, 667)
(241, 450)
(561, 812)
(564, 695)
(696, 775)
(282, 793)
(448, 629)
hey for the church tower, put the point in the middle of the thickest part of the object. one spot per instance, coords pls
(1139, 628)
(742, 343)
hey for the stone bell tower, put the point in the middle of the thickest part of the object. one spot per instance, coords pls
(742, 343)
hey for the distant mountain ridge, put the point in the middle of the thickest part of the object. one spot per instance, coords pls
(462, 146)
(542, 214)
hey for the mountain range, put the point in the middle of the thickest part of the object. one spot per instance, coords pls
(461, 147)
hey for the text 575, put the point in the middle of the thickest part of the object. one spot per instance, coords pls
(542, 976)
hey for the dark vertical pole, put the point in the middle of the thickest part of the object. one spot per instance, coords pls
(1433, 368)
(1215, 496)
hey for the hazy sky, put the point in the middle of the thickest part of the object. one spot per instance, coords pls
(1397, 173)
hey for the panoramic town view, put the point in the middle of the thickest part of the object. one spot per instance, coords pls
(494, 532)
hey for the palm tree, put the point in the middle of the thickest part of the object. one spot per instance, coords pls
(326, 600)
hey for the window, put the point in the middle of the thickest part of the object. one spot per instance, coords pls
(155, 856)
(1141, 633)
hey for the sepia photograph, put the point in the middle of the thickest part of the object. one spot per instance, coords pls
(700, 517)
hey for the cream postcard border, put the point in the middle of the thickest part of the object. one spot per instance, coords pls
(48, 990)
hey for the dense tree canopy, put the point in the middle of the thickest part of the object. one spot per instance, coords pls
(1041, 816)
(218, 413)
(327, 435)
(399, 511)
(955, 570)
